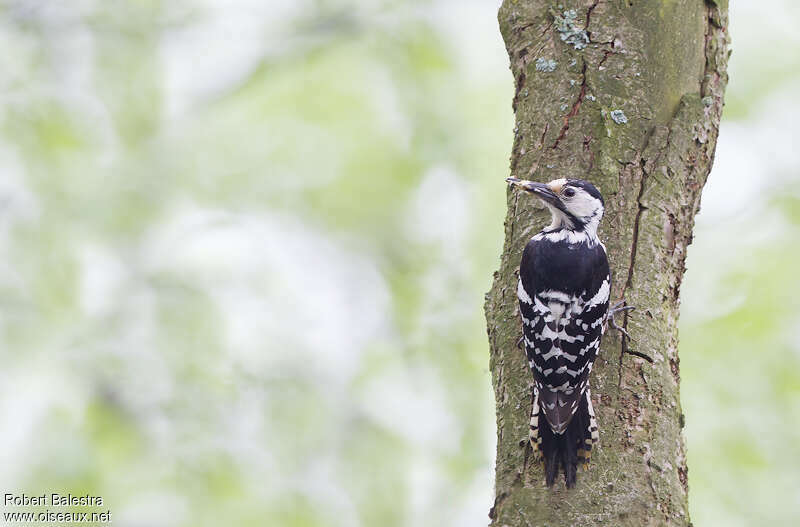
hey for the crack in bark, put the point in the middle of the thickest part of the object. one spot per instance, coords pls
(589, 18)
(635, 241)
(546, 28)
(606, 54)
(576, 106)
(544, 132)
(643, 165)
(587, 140)
(629, 280)
(644, 356)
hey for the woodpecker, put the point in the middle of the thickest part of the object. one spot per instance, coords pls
(563, 291)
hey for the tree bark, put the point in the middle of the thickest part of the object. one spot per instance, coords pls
(628, 95)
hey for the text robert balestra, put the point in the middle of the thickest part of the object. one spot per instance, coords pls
(51, 500)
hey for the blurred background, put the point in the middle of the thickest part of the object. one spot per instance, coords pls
(245, 246)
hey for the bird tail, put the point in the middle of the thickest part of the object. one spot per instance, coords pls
(563, 452)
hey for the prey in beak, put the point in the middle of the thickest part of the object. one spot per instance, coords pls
(545, 192)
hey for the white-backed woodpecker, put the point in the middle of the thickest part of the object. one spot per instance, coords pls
(563, 290)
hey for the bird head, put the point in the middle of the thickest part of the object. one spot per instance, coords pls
(574, 204)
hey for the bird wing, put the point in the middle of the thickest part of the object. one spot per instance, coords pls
(562, 328)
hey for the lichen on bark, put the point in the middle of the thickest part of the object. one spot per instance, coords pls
(661, 64)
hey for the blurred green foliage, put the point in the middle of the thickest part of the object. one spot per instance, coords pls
(228, 298)
(741, 370)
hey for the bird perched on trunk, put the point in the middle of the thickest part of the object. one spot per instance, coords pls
(563, 291)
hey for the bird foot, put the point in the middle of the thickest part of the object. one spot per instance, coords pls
(619, 307)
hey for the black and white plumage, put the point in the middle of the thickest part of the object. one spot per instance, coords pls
(563, 290)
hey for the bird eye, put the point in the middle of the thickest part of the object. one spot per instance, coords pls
(569, 192)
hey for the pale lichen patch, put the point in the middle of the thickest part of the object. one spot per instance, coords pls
(618, 116)
(569, 32)
(545, 65)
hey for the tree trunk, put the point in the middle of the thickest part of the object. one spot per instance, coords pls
(628, 95)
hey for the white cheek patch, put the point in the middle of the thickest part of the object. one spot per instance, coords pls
(582, 205)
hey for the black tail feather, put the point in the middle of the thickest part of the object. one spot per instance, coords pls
(563, 452)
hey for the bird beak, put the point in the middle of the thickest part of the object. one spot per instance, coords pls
(541, 190)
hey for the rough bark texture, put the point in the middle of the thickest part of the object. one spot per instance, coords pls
(635, 110)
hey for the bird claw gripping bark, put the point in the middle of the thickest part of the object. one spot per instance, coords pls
(619, 307)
